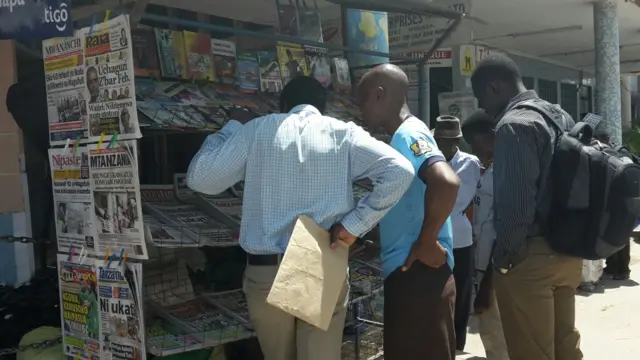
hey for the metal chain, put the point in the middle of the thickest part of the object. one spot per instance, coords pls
(23, 240)
(44, 344)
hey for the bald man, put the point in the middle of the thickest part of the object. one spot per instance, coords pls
(415, 235)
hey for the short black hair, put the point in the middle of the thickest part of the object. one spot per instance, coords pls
(479, 123)
(303, 90)
(495, 67)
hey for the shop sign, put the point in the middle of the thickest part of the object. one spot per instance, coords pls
(35, 19)
(414, 31)
(439, 58)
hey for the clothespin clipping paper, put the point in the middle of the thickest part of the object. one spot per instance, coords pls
(100, 141)
(75, 145)
(66, 146)
(106, 19)
(121, 257)
(72, 253)
(93, 22)
(106, 256)
(114, 140)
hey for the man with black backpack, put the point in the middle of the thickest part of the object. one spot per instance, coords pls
(535, 285)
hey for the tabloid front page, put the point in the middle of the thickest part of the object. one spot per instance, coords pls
(116, 196)
(72, 197)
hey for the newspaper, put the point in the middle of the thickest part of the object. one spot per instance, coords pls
(205, 322)
(72, 197)
(79, 308)
(234, 302)
(65, 82)
(110, 80)
(164, 340)
(121, 316)
(116, 198)
(365, 280)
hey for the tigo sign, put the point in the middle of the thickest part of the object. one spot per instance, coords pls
(35, 19)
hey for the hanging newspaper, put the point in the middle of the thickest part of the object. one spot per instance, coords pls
(121, 317)
(64, 74)
(116, 196)
(79, 308)
(110, 80)
(72, 197)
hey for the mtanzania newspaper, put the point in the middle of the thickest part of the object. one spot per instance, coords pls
(115, 187)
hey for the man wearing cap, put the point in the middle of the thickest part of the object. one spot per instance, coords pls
(447, 133)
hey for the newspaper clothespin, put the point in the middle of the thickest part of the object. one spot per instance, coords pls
(106, 256)
(93, 23)
(114, 140)
(75, 145)
(122, 257)
(81, 256)
(106, 19)
(111, 258)
(66, 146)
(72, 253)
(100, 141)
(77, 357)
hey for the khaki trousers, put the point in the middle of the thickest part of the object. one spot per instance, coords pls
(283, 336)
(538, 306)
(491, 333)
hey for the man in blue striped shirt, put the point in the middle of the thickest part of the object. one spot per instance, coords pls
(297, 163)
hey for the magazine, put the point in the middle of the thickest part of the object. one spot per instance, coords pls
(270, 79)
(206, 322)
(71, 196)
(173, 59)
(64, 74)
(199, 56)
(79, 307)
(341, 78)
(110, 81)
(318, 63)
(291, 60)
(116, 197)
(164, 339)
(248, 73)
(145, 53)
(224, 61)
(121, 316)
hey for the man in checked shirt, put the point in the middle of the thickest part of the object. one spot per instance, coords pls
(298, 162)
(535, 286)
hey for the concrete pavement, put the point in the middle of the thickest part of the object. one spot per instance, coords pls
(608, 319)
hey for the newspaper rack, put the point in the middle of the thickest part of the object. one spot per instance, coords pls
(191, 280)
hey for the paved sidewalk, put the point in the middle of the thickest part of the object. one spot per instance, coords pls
(608, 319)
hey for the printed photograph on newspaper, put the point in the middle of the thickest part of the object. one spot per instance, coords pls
(65, 82)
(79, 308)
(121, 317)
(72, 197)
(110, 80)
(115, 187)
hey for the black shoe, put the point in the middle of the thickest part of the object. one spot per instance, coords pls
(621, 277)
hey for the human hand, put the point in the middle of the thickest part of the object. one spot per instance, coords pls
(339, 233)
(430, 253)
(242, 115)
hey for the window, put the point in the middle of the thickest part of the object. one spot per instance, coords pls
(548, 90)
(586, 100)
(569, 99)
(529, 82)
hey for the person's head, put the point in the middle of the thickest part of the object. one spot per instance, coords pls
(382, 95)
(124, 118)
(106, 93)
(126, 92)
(478, 131)
(495, 82)
(289, 55)
(447, 134)
(303, 90)
(93, 83)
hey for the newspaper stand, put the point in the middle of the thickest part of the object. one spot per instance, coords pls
(192, 280)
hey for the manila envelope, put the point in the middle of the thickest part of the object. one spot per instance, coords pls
(311, 275)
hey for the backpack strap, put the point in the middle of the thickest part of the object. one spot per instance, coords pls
(580, 130)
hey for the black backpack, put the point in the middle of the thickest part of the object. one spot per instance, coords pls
(595, 200)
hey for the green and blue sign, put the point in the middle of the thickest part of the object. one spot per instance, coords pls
(35, 19)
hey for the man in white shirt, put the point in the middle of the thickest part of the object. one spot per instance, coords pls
(447, 133)
(298, 162)
(478, 131)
